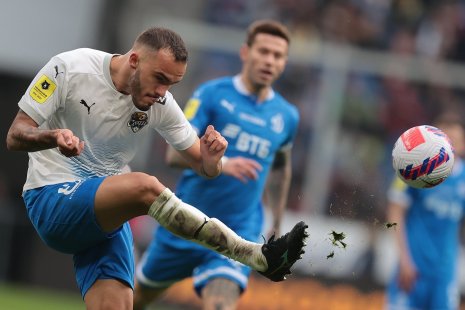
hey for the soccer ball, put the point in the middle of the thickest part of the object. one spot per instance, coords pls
(423, 156)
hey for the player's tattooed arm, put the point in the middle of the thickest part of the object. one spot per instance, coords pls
(24, 135)
(277, 187)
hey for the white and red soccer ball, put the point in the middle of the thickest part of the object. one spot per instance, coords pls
(423, 156)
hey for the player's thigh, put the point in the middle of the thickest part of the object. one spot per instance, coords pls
(122, 197)
(220, 293)
(64, 214)
(109, 294)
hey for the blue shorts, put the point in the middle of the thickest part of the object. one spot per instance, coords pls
(170, 259)
(427, 293)
(63, 215)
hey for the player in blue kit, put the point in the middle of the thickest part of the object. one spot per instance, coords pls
(260, 126)
(427, 235)
(82, 119)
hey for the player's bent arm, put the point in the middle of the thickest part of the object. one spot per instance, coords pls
(191, 158)
(277, 187)
(174, 159)
(24, 135)
(204, 155)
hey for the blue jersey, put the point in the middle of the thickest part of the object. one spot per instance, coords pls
(253, 130)
(433, 221)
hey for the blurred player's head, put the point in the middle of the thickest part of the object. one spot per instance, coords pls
(264, 54)
(454, 128)
(158, 60)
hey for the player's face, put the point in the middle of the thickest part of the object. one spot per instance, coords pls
(155, 73)
(457, 137)
(264, 60)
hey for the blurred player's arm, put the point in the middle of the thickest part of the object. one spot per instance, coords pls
(407, 270)
(239, 167)
(277, 187)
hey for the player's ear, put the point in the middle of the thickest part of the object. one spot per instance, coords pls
(133, 60)
(244, 51)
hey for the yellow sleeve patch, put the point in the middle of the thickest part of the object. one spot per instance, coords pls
(398, 184)
(191, 108)
(42, 89)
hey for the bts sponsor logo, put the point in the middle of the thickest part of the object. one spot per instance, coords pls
(246, 142)
(253, 145)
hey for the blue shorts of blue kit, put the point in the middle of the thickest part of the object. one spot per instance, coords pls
(428, 293)
(63, 215)
(170, 259)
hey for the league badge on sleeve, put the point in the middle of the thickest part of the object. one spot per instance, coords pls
(191, 108)
(42, 89)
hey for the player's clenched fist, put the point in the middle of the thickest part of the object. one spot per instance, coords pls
(213, 143)
(212, 148)
(68, 144)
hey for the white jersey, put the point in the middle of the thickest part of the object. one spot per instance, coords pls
(74, 90)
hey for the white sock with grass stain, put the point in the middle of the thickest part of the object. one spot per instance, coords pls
(190, 223)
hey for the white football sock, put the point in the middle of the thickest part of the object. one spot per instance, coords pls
(190, 223)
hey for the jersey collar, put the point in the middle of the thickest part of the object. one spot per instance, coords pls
(240, 87)
(106, 70)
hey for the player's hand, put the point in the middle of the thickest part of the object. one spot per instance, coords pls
(242, 168)
(212, 148)
(68, 144)
(407, 275)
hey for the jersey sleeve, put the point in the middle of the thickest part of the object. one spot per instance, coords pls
(197, 109)
(43, 97)
(293, 123)
(399, 193)
(174, 127)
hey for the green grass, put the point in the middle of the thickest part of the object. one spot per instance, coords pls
(16, 297)
(24, 298)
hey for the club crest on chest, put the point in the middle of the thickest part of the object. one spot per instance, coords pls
(138, 120)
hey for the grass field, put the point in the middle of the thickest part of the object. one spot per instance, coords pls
(14, 297)
(22, 298)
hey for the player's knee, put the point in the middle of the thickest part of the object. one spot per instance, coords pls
(144, 296)
(115, 302)
(147, 187)
(220, 293)
(109, 294)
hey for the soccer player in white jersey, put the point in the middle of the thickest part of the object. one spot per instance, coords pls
(427, 235)
(81, 120)
(260, 126)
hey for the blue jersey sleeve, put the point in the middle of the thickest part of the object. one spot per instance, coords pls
(293, 123)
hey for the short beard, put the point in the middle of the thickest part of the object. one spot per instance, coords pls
(136, 90)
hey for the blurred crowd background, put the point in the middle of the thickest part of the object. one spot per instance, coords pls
(360, 72)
